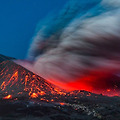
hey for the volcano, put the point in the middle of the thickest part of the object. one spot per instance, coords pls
(25, 95)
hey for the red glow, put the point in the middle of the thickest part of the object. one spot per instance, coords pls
(15, 80)
(96, 82)
(108, 90)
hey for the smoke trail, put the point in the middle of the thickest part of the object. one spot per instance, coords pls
(83, 38)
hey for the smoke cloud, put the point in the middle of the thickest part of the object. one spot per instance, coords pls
(84, 37)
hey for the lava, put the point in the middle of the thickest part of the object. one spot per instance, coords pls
(34, 95)
(8, 97)
(17, 82)
(98, 82)
(62, 103)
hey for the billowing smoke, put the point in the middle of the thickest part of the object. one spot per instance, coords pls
(83, 38)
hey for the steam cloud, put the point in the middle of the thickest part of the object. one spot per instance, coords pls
(84, 37)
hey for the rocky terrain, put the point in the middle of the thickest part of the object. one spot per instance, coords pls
(19, 102)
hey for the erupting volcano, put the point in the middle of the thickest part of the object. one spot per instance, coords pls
(17, 82)
(23, 92)
(72, 68)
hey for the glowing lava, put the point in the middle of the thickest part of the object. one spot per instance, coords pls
(16, 81)
(8, 97)
(100, 83)
(34, 95)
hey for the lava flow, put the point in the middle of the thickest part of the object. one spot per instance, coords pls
(17, 82)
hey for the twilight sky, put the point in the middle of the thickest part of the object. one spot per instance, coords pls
(18, 20)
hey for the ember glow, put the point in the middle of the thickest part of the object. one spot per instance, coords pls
(18, 82)
(8, 97)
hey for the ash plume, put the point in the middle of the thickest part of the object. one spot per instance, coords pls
(84, 37)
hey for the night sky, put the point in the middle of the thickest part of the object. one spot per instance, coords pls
(18, 20)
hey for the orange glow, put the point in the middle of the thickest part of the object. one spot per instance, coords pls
(8, 97)
(62, 103)
(34, 95)
(52, 100)
(42, 99)
(41, 93)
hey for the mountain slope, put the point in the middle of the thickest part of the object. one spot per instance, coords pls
(27, 96)
(3, 58)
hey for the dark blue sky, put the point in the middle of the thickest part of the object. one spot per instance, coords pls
(18, 20)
